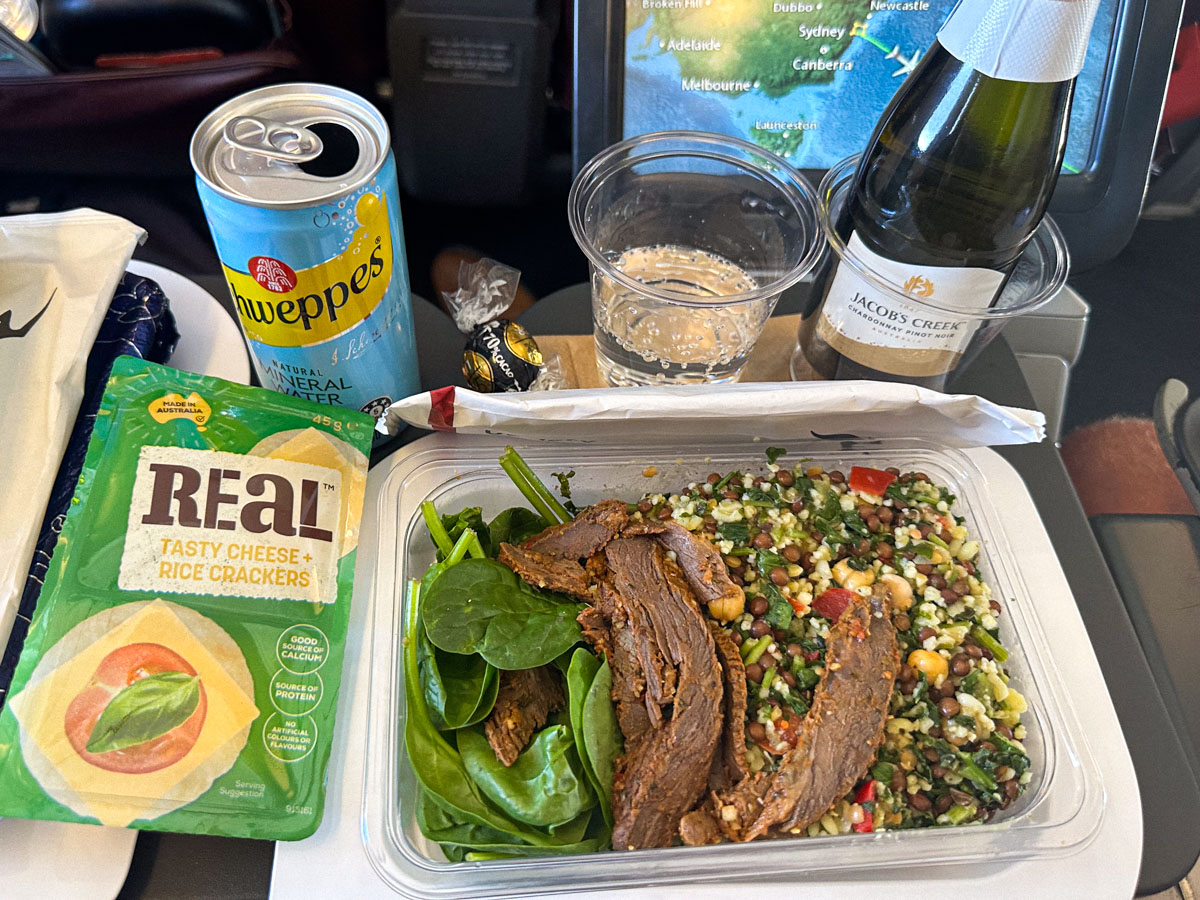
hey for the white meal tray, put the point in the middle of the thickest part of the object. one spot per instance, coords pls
(334, 862)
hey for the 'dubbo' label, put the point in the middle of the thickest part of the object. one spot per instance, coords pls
(285, 307)
(226, 524)
(883, 332)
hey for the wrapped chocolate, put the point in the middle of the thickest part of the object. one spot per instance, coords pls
(500, 355)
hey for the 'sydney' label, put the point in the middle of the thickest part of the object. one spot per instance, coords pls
(879, 330)
(227, 524)
(285, 307)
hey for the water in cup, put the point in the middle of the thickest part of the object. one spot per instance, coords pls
(691, 237)
(641, 339)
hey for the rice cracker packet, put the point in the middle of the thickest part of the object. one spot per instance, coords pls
(182, 670)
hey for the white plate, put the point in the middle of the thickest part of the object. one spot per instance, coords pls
(89, 862)
(210, 342)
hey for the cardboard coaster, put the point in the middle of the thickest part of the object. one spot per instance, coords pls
(768, 360)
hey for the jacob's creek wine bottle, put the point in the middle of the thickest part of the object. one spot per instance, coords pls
(952, 185)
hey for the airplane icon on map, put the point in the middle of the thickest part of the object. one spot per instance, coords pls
(859, 30)
(906, 65)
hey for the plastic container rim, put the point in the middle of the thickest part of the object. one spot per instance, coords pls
(832, 190)
(709, 146)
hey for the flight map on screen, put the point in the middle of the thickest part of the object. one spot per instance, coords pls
(806, 79)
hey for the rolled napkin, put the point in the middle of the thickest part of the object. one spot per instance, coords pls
(138, 323)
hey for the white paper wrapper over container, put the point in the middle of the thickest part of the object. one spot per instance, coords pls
(832, 410)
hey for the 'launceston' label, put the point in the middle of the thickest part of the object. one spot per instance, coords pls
(285, 307)
(228, 524)
(875, 328)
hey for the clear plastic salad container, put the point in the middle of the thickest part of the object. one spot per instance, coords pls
(1059, 813)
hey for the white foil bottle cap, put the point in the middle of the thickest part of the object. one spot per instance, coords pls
(1021, 40)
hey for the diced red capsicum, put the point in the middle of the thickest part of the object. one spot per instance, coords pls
(865, 792)
(833, 603)
(867, 825)
(870, 481)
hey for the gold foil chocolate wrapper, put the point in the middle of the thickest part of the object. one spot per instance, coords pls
(501, 356)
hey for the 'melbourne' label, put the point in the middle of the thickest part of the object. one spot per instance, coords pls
(876, 329)
(227, 524)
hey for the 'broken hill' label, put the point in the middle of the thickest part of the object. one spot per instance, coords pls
(285, 307)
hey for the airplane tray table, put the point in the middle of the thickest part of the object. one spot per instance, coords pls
(216, 867)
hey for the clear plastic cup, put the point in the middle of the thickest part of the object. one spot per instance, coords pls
(957, 335)
(691, 238)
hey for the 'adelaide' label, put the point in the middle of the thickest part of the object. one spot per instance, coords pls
(228, 524)
(881, 331)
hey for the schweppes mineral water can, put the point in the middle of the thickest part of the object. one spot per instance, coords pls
(299, 187)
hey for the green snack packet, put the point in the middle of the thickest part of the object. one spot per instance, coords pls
(182, 669)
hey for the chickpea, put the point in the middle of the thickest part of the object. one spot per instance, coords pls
(930, 663)
(899, 591)
(850, 578)
(728, 607)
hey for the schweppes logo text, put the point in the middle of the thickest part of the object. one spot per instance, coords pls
(283, 307)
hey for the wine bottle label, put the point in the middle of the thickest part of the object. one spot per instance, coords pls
(879, 330)
(1021, 40)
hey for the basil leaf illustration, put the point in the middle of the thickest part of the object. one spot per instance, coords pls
(145, 710)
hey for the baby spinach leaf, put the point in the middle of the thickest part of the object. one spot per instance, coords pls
(573, 831)
(580, 674)
(545, 786)
(438, 765)
(459, 690)
(439, 824)
(601, 737)
(481, 606)
(459, 838)
(773, 454)
(145, 710)
(515, 526)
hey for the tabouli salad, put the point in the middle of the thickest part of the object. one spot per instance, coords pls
(785, 652)
(799, 540)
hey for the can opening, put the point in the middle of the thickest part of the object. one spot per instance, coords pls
(340, 153)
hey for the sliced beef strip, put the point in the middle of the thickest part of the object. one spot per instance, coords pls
(544, 571)
(706, 572)
(597, 631)
(524, 701)
(629, 682)
(729, 764)
(583, 536)
(839, 736)
(662, 775)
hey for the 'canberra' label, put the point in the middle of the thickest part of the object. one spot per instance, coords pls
(876, 329)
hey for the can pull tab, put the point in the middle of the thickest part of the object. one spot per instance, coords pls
(275, 140)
